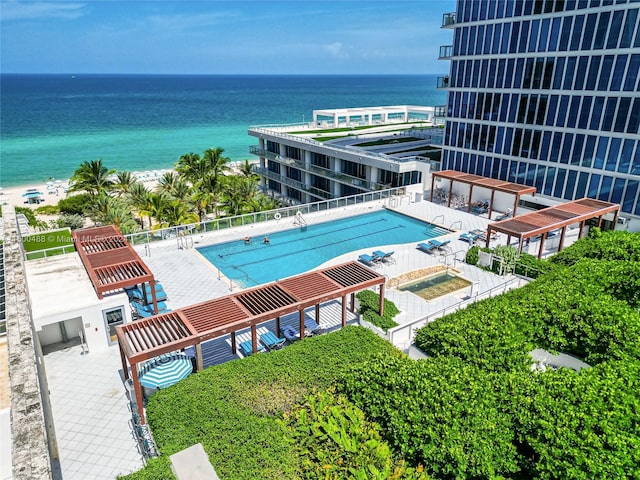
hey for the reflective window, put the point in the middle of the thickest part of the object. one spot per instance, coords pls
(581, 73)
(571, 185)
(487, 39)
(618, 189)
(601, 152)
(594, 183)
(587, 158)
(601, 30)
(634, 117)
(546, 142)
(500, 9)
(576, 155)
(572, 117)
(495, 45)
(615, 28)
(531, 175)
(535, 144)
(635, 165)
(500, 75)
(582, 185)
(508, 140)
(555, 147)
(477, 50)
(570, 71)
(565, 33)
(555, 34)
(593, 72)
(548, 73)
(632, 73)
(513, 169)
(562, 111)
(533, 36)
(612, 155)
(515, 36)
(584, 112)
(548, 182)
(540, 173)
(629, 27)
(513, 108)
(504, 168)
(504, 48)
(623, 111)
(566, 148)
(618, 73)
(491, 11)
(560, 178)
(630, 196)
(597, 113)
(524, 36)
(559, 70)
(626, 156)
(577, 33)
(609, 111)
(605, 72)
(589, 29)
(544, 35)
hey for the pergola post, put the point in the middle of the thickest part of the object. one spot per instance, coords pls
(318, 313)
(352, 303)
(581, 230)
(301, 319)
(543, 238)
(562, 232)
(199, 362)
(254, 339)
(493, 194)
(344, 311)
(137, 388)
(381, 307)
(234, 347)
(278, 326)
(450, 192)
(123, 359)
(433, 184)
(515, 204)
(470, 196)
(152, 284)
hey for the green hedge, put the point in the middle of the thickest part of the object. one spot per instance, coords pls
(369, 307)
(233, 408)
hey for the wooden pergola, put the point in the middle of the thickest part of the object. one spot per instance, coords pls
(111, 263)
(549, 219)
(475, 180)
(191, 326)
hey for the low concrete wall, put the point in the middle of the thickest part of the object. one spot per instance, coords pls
(30, 451)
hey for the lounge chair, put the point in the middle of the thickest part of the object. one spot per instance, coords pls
(438, 244)
(469, 237)
(368, 260)
(505, 215)
(311, 327)
(426, 247)
(271, 341)
(290, 334)
(384, 256)
(146, 311)
(247, 348)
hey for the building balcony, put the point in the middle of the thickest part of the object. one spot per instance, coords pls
(446, 52)
(440, 111)
(449, 20)
(443, 82)
(296, 184)
(316, 170)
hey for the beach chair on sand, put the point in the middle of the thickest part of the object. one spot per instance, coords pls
(246, 348)
(271, 341)
(426, 247)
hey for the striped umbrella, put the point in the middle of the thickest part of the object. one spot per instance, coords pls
(165, 370)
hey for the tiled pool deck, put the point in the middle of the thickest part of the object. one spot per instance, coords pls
(90, 404)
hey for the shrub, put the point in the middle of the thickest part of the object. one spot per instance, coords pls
(369, 305)
(76, 204)
(531, 266)
(48, 210)
(472, 255)
(71, 221)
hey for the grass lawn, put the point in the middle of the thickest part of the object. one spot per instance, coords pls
(59, 240)
(233, 408)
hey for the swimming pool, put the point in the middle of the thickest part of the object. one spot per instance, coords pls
(294, 251)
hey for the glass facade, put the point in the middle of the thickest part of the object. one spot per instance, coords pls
(545, 93)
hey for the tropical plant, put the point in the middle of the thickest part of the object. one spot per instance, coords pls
(123, 183)
(246, 169)
(472, 255)
(78, 204)
(370, 305)
(66, 220)
(91, 177)
(176, 213)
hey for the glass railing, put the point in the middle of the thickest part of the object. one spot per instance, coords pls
(440, 111)
(443, 82)
(446, 51)
(179, 232)
(448, 19)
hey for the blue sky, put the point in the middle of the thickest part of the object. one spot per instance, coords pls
(262, 37)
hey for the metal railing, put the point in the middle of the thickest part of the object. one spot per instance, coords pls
(404, 335)
(49, 252)
(448, 19)
(442, 82)
(170, 233)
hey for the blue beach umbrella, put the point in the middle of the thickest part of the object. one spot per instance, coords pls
(165, 370)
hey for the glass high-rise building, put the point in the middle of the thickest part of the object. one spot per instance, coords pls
(545, 93)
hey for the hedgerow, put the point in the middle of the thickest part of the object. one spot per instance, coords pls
(369, 307)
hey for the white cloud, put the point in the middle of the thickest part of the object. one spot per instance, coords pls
(336, 50)
(13, 10)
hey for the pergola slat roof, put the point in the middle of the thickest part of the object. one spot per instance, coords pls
(237, 311)
(492, 183)
(110, 261)
(553, 218)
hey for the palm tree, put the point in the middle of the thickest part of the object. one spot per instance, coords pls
(190, 167)
(176, 213)
(124, 182)
(107, 210)
(246, 169)
(138, 198)
(158, 202)
(91, 177)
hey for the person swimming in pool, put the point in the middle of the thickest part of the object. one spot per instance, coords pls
(247, 240)
(266, 240)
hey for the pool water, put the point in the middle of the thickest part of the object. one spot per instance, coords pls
(300, 249)
(436, 285)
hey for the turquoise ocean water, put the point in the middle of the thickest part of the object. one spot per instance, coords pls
(52, 123)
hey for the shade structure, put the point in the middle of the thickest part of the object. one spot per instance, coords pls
(165, 370)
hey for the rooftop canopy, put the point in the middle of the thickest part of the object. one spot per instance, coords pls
(475, 180)
(549, 219)
(112, 264)
(192, 325)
